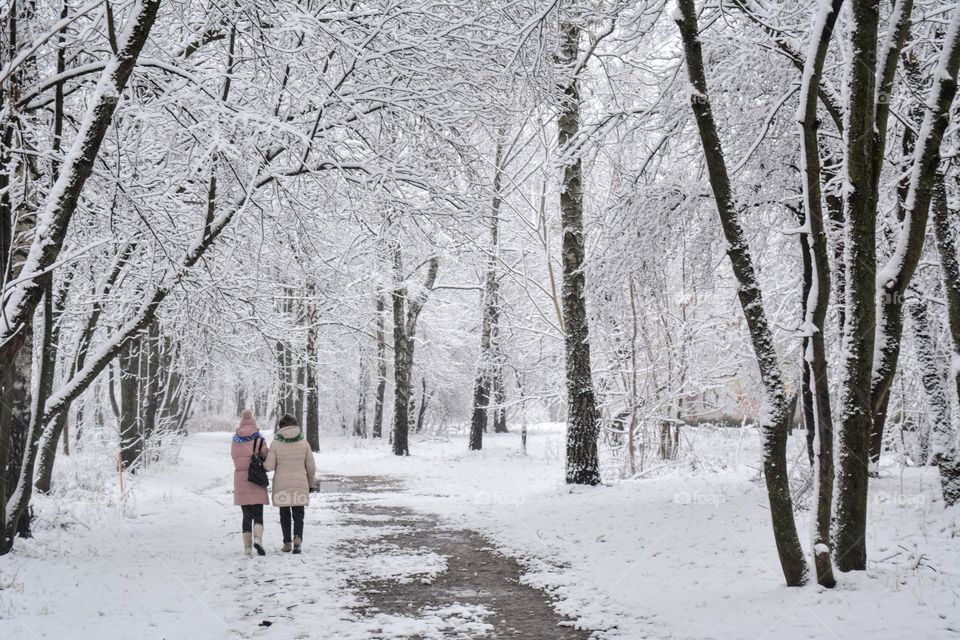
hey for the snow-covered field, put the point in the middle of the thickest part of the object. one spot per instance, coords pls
(682, 552)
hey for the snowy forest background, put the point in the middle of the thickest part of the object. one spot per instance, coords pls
(404, 220)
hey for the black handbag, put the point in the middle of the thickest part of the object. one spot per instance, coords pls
(255, 472)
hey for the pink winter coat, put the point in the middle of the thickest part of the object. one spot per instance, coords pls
(244, 491)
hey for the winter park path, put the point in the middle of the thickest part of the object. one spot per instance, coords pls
(686, 556)
(170, 566)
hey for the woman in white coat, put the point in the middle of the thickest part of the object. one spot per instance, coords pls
(294, 478)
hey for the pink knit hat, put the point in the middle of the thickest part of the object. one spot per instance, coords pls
(247, 420)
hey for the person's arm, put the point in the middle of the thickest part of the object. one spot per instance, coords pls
(271, 462)
(311, 469)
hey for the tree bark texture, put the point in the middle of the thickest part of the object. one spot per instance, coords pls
(583, 417)
(774, 429)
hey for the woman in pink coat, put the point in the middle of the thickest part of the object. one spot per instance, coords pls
(249, 496)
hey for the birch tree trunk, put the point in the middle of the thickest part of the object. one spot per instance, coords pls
(482, 389)
(313, 392)
(775, 428)
(360, 419)
(381, 366)
(583, 417)
(405, 315)
(500, 402)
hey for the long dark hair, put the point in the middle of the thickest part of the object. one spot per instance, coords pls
(288, 421)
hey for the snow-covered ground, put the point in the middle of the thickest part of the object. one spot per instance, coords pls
(683, 552)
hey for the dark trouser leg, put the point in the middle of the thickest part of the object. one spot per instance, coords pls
(298, 522)
(247, 518)
(256, 512)
(285, 524)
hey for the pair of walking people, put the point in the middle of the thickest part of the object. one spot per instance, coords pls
(291, 460)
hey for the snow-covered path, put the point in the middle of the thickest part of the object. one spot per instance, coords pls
(171, 566)
(686, 554)
(168, 567)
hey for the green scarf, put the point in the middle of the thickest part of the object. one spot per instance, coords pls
(278, 437)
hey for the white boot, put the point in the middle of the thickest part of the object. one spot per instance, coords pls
(247, 543)
(258, 539)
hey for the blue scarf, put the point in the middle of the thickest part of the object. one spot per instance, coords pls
(245, 439)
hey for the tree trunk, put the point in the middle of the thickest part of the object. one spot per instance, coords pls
(381, 366)
(484, 379)
(170, 404)
(895, 276)
(806, 390)
(405, 315)
(666, 441)
(775, 430)
(583, 417)
(280, 353)
(816, 392)
(15, 423)
(943, 230)
(16, 508)
(836, 231)
(16, 359)
(856, 412)
(313, 391)
(943, 453)
(299, 398)
(185, 412)
(424, 402)
(401, 366)
(500, 402)
(360, 420)
(481, 400)
(131, 440)
(53, 431)
(151, 385)
(932, 377)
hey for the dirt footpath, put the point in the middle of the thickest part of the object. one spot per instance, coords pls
(476, 574)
